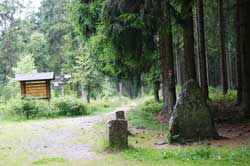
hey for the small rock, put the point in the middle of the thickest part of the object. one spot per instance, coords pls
(160, 143)
(140, 127)
(130, 134)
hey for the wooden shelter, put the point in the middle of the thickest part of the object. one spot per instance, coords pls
(36, 85)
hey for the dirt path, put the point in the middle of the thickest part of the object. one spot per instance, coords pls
(57, 137)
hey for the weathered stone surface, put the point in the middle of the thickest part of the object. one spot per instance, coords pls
(117, 132)
(191, 119)
(120, 115)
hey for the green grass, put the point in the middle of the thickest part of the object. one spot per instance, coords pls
(49, 160)
(144, 116)
(192, 156)
(106, 104)
(217, 98)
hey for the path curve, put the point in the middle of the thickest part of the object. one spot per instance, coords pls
(56, 137)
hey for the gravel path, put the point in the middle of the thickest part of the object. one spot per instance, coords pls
(57, 137)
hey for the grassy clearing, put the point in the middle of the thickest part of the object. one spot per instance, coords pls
(192, 156)
(142, 152)
(143, 117)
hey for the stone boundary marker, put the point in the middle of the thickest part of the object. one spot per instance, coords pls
(120, 115)
(117, 131)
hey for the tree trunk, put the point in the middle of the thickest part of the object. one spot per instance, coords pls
(202, 50)
(238, 53)
(156, 91)
(245, 54)
(120, 88)
(177, 62)
(223, 64)
(167, 64)
(142, 85)
(207, 68)
(188, 36)
(197, 47)
(88, 94)
(229, 67)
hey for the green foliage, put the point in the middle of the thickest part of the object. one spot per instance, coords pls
(86, 73)
(151, 101)
(38, 47)
(17, 108)
(152, 108)
(69, 106)
(26, 109)
(26, 64)
(54, 22)
(143, 117)
(9, 90)
(13, 42)
(217, 97)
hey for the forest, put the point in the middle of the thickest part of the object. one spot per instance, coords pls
(177, 68)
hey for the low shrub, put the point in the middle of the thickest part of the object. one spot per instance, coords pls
(27, 109)
(152, 108)
(69, 106)
(217, 97)
(151, 101)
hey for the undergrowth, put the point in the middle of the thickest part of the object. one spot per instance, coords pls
(217, 98)
(21, 109)
(143, 116)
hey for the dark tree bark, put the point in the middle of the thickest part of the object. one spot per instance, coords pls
(156, 91)
(88, 94)
(238, 53)
(229, 67)
(223, 61)
(188, 36)
(245, 54)
(166, 55)
(178, 62)
(202, 49)
(197, 46)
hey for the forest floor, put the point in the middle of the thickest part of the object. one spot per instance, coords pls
(81, 142)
